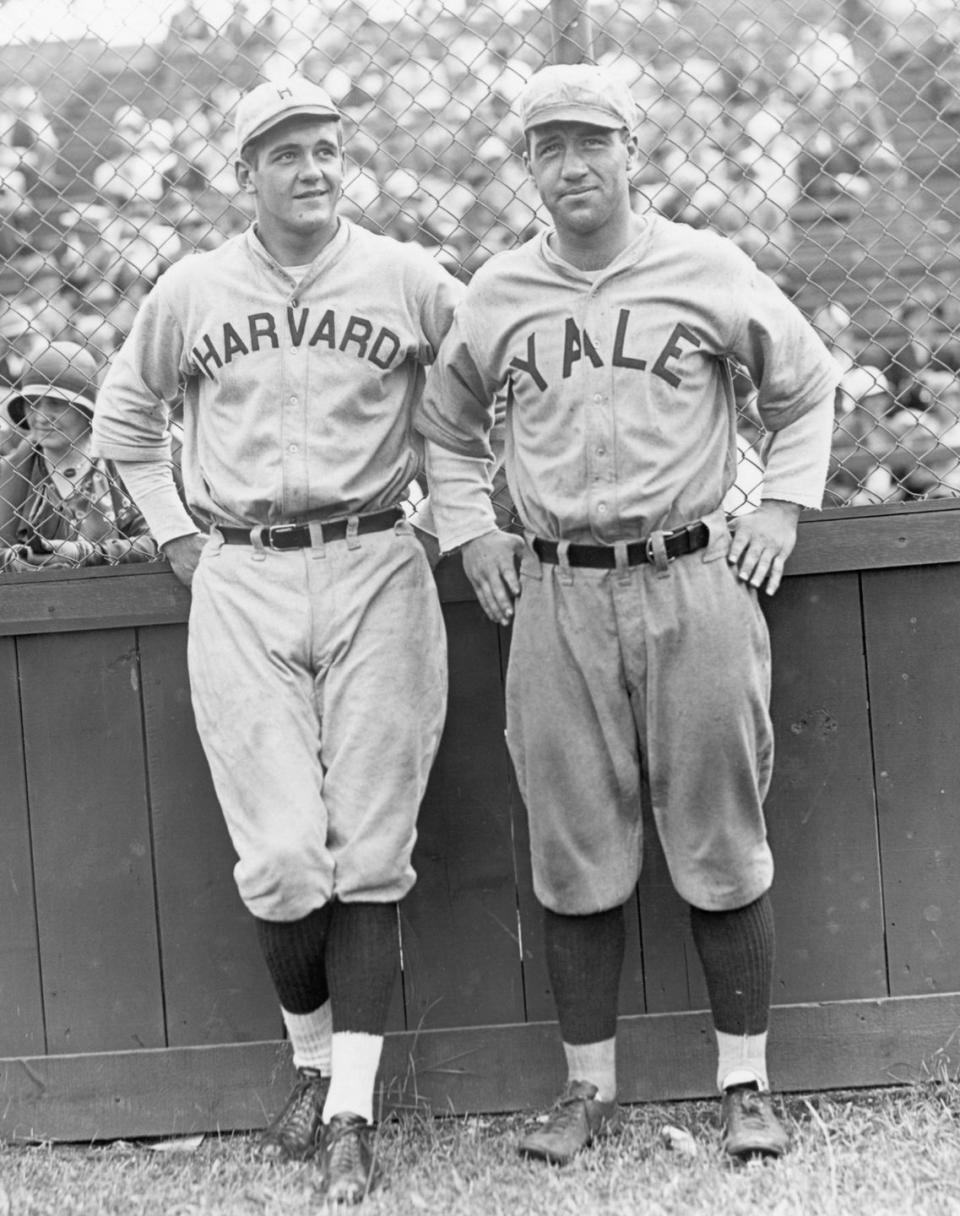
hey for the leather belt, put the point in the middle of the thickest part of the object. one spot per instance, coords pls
(680, 541)
(297, 536)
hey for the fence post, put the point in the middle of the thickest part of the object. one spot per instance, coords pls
(572, 21)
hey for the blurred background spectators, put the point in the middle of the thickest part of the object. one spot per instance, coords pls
(820, 137)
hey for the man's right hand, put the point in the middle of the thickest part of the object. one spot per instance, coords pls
(183, 553)
(490, 563)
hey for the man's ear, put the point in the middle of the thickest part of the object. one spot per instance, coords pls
(633, 150)
(244, 174)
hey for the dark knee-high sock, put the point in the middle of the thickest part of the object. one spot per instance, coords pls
(584, 961)
(294, 952)
(362, 960)
(736, 950)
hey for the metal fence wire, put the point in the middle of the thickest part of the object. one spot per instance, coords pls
(821, 137)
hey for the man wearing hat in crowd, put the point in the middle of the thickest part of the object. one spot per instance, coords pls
(317, 653)
(59, 504)
(639, 658)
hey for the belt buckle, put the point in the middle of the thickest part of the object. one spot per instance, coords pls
(650, 546)
(279, 530)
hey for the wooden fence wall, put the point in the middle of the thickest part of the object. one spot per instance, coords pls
(133, 1000)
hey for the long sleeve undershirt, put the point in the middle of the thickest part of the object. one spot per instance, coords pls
(151, 485)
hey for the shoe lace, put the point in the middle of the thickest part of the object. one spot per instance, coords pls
(565, 1112)
(298, 1116)
(345, 1144)
(753, 1107)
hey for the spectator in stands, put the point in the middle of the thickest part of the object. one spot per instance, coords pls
(924, 350)
(864, 444)
(143, 162)
(17, 215)
(27, 129)
(59, 504)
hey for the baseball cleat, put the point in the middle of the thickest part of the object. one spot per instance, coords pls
(294, 1135)
(749, 1128)
(349, 1160)
(576, 1119)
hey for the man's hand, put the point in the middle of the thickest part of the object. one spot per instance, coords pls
(183, 553)
(762, 542)
(490, 563)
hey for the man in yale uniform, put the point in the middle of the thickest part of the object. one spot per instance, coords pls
(638, 644)
(298, 349)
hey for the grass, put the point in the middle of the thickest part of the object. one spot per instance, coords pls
(865, 1153)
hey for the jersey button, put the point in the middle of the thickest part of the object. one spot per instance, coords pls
(602, 508)
(292, 447)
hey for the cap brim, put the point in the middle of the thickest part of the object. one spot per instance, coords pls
(14, 407)
(593, 118)
(295, 111)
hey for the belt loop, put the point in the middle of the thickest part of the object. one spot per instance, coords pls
(353, 540)
(620, 558)
(318, 548)
(256, 539)
(532, 553)
(563, 561)
(215, 541)
(657, 553)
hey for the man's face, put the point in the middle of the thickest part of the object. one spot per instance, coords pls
(581, 173)
(295, 173)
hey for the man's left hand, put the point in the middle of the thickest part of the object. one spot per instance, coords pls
(762, 542)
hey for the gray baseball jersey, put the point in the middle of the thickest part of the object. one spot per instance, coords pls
(621, 414)
(297, 396)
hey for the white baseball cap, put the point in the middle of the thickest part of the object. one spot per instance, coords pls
(275, 100)
(577, 92)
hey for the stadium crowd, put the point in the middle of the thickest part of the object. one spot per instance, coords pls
(736, 142)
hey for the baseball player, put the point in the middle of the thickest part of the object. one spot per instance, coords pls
(639, 656)
(316, 650)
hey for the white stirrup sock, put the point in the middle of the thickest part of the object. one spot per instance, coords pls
(742, 1060)
(310, 1035)
(356, 1058)
(595, 1063)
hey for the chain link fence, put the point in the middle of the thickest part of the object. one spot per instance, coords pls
(821, 137)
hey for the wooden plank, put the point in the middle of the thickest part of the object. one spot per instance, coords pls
(821, 809)
(836, 1045)
(461, 950)
(913, 636)
(867, 542)
(91, 841)
(216, 987)
(56, 600)
(21, 1009)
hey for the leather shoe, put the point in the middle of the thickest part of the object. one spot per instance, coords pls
(295, 1133)
(576, 1119)
(749, 1128)
(349, 1159)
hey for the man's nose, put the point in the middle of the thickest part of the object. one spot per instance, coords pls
(573, 163)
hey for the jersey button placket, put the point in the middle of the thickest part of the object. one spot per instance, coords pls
(293, 455)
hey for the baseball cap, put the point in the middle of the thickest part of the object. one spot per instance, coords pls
(64, 370)
(577, 92)
(275, 100)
